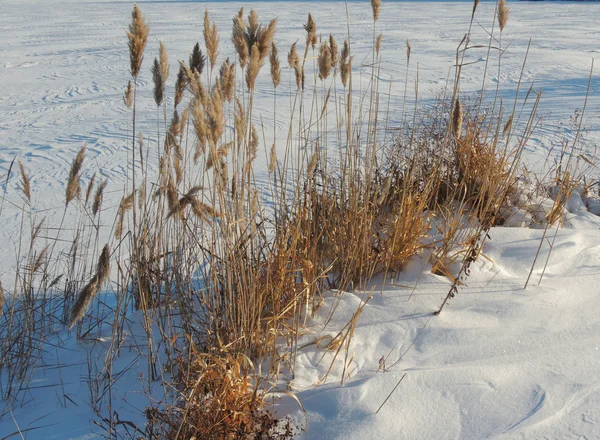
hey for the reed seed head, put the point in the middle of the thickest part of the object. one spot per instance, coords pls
(503, 13)
(164, 62)
(324, 61)
(197, 59)
(180, 85)
(227, 79)
(275, 67)
(211, 40)
(507, 126)
(128, 97)
(345, 63)
(272, 159)
(408, 51)
(253, 67)
(264, 38)
(238, 37)
(294, 63)
(158, 90)
(311, 31)
(215, 114)
(334, 51)
(88, 191)
(73, 184)
(375, 5)
(98, 196)
(253, 144)
(103, 266)
(91, 289)
(378, 43)
(457, 119)
(83, 301)
(25, 183)
(200, 129)
(138, 37)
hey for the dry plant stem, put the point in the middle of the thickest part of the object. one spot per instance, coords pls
(561, 189)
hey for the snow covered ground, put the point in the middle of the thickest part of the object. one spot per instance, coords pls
(500, 362)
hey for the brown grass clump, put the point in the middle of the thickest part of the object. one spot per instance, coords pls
(217, 401)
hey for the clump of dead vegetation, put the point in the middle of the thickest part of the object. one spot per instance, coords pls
(223, 271)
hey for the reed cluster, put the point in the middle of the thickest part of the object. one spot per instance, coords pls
(223, 270)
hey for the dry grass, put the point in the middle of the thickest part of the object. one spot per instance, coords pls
(215, 263)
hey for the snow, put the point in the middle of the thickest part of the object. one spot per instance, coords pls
(499, 362)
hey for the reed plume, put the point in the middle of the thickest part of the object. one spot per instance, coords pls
(294, 63)
(25, 183)
(457, 119)
(88, 191)
(253, 67)
(272, 159)
(158, 90)
(39, 261)
(311, 31)
(239, 121)
(215, 116)
(227, 79)
(253, 144)
(275, 67)
(211, 40)
(138, 36)
(200, 129)
(345, 63)
(91, 288)
(378, 43)
(164, 61)
(36, 231)
(264, 38)
(180, 85)
(375, 5)
(503, 13)
(324, 61)
(197, 59)
(333, 46)
(507, 126)
(238, 37)
(408, 51)
(98, 196)
(128, 97)
(73, 184)
(126, 205)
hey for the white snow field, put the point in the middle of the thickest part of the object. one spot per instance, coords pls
(499, 362)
